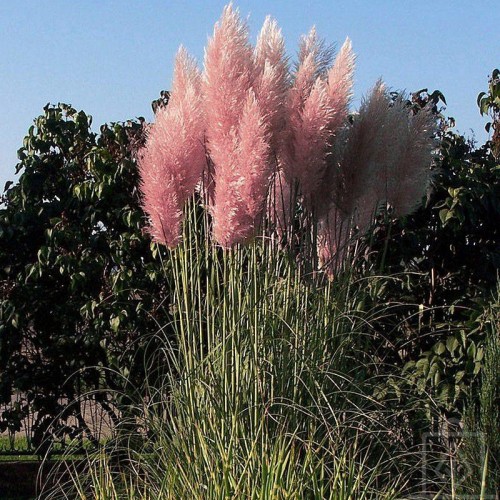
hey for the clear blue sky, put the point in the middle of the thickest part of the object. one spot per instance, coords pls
(112, 57)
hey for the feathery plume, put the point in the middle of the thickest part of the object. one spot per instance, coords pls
(230, 219)
(271, 79)
(400, 158)
(228, 75)
(385, 158)
(241, 189)
(308, 70)
(271, 89)
(410, 175)
(362, 155)
(340, 81)
(270, 47)
(255, 166)
(316, 113)
(306, 74)
(351, 201)
(267, 132)
(160, 196)
(311, 45)
(311, 139)
(173, 159)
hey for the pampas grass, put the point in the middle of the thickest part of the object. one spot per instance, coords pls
(265, 392)
(173, 160)
(275, 147)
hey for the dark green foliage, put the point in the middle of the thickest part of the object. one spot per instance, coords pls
(489, 104)
(451, 248)
(80, 286)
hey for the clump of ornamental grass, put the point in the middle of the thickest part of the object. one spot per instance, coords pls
(265, 392)
(254, 178)
(270, 148)
(478, 454)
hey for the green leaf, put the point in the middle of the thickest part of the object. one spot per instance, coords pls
(433, 369)
(422, 366)
(443, 215)
(471, 351)
(452, 344)
(479, 354)
(115, 323)
(484, 105)
(477, 367)
(480, 98)
(439, 348)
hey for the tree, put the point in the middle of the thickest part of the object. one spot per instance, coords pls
(81, 288)
(451, 247)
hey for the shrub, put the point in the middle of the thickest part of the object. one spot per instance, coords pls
(79, 280)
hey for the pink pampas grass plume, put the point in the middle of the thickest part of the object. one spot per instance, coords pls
(271, 79)
(272, 83)
(311, 139)
(361, 157)
(230, 218)
(316, 112)
(306, 74)
(311, 46)
(254, 164)
(340, 82)
(320, 121)
(409, 174)
(308, 70)
(339, 85)
(244, 91)
(160, 196)
(241, 189)
(173, 158)
(228, 75)
(270, 46)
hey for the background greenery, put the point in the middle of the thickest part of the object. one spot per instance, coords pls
(232, 373)
(80, 284)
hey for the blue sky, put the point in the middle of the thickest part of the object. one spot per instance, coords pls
(112, 57)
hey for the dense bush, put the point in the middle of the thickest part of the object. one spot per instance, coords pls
(80, 284)
(449, 254)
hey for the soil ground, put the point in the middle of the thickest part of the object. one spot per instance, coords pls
(22, 480)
